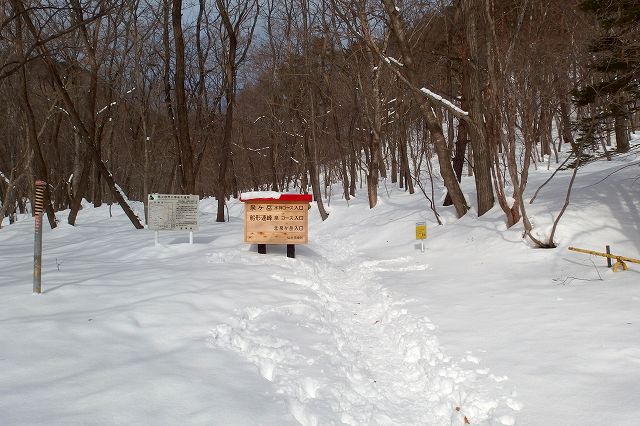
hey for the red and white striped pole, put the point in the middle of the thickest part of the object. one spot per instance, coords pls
(37, 246)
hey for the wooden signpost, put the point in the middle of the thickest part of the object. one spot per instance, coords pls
(274, 218)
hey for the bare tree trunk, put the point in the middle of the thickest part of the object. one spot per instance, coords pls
(184, 141)
(231, 62)
(343, 160)
(405, 170)
(478, 111)
(373, 111)
(393, 143)
(166, 14)
(312, 167)
(9, 199)
(432, 122)
(312, 160)
(459, 157)
(273, 157)
(79, 191)
(512, 212)
(567, 136)
(622, 136)
(39, 165)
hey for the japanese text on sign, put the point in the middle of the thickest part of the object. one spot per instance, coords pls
(173, 212)
(275, 223)
(421, 230)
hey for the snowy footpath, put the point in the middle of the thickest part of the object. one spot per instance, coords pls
(351, 354)
(361, 328)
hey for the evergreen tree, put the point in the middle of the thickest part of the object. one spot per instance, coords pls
(613, 92)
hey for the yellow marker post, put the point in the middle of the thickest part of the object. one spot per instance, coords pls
(421, 233)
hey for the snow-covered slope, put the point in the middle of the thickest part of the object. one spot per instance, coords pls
(361, 328)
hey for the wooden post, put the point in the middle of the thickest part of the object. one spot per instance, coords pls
(262, 248)
(609, 263)
(37, 246)
(291, 251)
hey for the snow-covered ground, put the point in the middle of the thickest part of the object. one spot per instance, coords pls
(361, 328)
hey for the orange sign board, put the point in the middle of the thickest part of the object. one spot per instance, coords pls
(277, 222)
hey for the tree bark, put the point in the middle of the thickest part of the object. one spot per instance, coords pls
(231, 61)
(622, 136)
(478, 111)
(185, 151)
(39, 165)
(426, 108)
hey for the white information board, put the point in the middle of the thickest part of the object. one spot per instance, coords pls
(169, 212)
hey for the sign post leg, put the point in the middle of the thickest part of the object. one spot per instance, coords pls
(155, 241)
(422, 246)
(291, 251)
(190, 237)
(609, 264)
(262, 248)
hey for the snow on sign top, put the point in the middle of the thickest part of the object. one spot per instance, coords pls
(274, 196)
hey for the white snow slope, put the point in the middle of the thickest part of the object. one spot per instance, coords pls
(361, 328)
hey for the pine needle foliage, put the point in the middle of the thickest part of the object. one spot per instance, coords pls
(611, 92)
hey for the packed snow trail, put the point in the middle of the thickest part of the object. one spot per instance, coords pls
(351, 354)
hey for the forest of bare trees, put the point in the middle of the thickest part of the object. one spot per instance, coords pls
(111, 100)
